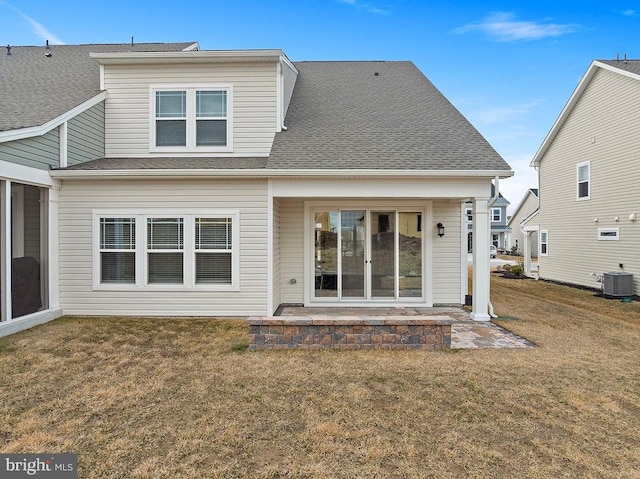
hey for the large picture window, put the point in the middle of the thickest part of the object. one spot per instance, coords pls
(165, 251)
(191, 119)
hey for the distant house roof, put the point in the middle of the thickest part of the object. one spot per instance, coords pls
(376, 115)
(38, 84)
(501, 201)
(629, 68)
(516, 217)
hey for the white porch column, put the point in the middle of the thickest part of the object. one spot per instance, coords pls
(53, 249)
(527, 252)
(5, 250)
(481, 263)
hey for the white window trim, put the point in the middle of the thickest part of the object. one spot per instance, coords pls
(189, 250)
(578, 166)
(493, 210)
(608, 230)
(191, 89)
(546, 233)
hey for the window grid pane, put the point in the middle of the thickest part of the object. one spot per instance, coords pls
(117, 267)
(211, 132)
(117, 233)
(165, 268)
(213, 233)
(213, 268)
(171, 133)
(171, 104)
(211, 104)
(165, 233)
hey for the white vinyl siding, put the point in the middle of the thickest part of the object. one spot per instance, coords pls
(128, 113)
(447, 252)
(603, 130)
(292, 246)
(78, 199)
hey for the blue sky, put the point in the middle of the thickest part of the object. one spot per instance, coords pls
(509, 67)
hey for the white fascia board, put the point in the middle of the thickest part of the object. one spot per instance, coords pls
(568, 108)
(524, 222)
(193, 47)
(270, 173)
(21, 133)
(26, 174)
(194, 56)
(289, 63)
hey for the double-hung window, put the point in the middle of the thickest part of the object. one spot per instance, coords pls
(544, 243)
(165, 250)
(584, 178)
(496, 215)
(117, 250)
(160, 251)
(196, 119)
(213, 244)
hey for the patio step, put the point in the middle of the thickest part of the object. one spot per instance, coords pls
(350, 332)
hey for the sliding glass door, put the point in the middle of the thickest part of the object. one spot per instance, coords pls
(362, 255)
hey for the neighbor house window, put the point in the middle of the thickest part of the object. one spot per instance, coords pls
(118, 250)
(608, 234)
(583, 181)
(496, 215)
(168, 251)
(544, 243)
(469, 213)
(191, 119)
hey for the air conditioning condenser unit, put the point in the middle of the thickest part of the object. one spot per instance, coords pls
(617, 283)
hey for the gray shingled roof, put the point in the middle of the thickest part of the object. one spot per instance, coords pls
(376, 115)
(632, 66)
(35, 89)
(180, 163)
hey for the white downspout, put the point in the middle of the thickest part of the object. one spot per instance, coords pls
(491, 203)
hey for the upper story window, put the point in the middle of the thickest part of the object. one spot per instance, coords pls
(584, 178)
(191, 119)
(496, 215)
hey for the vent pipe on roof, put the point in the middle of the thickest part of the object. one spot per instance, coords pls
(47, 47)
(625, 58)
(131, 41)
(8, 49)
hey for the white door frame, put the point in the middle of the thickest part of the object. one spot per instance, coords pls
(425, 207)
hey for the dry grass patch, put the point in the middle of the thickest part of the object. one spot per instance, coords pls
(176, 398)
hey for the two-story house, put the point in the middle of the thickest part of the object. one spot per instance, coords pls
(498, 222)
(236, 181)
(587, 221)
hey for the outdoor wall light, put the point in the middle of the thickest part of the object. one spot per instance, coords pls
(440, 227)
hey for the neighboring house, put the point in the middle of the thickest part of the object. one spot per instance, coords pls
(527, 206)
(588, 176)
(236, 181)
(498, 218)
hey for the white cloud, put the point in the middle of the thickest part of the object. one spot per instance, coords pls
(37, 28)
(367, 7)
(629, 13)
(499, 114)
(503, 27)
(525, 177)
